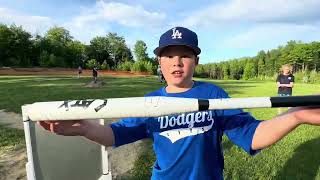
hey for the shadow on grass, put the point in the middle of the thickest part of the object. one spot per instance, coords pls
(304, 163)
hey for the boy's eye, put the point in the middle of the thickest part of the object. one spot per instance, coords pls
(183, 56)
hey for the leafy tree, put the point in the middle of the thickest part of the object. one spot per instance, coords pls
(75, 53)
(5, 35)
(20, 45)
(315, 46)
(99, 49)
(249, 71)
(119, 51)
(261, 57)
(235, 70)
(105, 65)
(92, 63)
(55, 42)
(288, 56)
(35, 50)
(44, 59)
(225, 70)
(140, 51)
(272, 63)
(58, 36)
(15, 46)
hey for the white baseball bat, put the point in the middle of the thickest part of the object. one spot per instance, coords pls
(153, 106)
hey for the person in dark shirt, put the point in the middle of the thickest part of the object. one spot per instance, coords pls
(95, 74)
(79, 71)
(285, 82)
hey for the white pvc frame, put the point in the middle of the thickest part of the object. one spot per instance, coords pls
(30, 170)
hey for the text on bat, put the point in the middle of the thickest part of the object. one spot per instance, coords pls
(82, 103)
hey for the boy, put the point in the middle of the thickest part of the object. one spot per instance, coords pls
(188, 145)
(285, 81)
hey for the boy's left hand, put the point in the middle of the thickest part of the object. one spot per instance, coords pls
(306, 115)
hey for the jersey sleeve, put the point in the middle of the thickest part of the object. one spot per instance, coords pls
(238, 126)
(129, 130)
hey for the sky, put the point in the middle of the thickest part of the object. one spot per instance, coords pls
(226, 28)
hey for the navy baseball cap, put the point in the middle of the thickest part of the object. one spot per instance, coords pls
(178, 36)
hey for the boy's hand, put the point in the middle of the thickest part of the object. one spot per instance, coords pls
(67, 128)
(306, 115)
(91, 130)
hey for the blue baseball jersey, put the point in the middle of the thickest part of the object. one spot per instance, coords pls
(189, 145)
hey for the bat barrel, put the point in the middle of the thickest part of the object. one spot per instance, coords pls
(153, 106)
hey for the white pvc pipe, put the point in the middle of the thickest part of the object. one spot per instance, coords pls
(30, 164)
(110, 108)
(153, 106)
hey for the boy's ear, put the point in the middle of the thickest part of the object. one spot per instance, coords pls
(159, 60)
(197, 60)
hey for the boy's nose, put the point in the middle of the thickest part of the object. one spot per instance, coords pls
(177, 61)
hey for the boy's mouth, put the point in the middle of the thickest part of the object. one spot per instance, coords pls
(177, 72)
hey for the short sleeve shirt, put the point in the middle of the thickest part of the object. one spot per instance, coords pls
(188, 145)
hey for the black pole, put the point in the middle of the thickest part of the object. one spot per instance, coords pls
(294, 101)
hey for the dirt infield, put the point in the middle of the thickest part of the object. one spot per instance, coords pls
(66, 71)
(12, 163)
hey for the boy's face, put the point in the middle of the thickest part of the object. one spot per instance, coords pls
(177, 65)
(286, 70)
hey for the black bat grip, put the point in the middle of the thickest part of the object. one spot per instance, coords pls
(295, 101)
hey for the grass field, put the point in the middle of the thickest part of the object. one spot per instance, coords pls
(295, 157)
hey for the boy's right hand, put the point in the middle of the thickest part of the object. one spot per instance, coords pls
(89, 129)
(67, 128)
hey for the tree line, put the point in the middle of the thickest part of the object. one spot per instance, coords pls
(57, 48)
(304, 58)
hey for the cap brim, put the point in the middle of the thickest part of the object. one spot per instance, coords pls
(157, 51)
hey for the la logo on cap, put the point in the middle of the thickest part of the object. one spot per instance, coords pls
(176, 34)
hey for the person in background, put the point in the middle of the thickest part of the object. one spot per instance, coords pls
(95, 74)
(285, 82)
(79, 71)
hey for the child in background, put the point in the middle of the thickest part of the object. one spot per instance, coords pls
(285, 82)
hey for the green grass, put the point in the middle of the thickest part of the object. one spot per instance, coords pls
(16, 91)
(144, 163)
(295, 157)
(10, 139)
